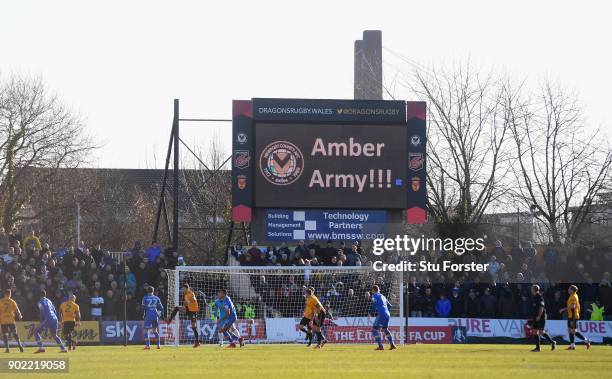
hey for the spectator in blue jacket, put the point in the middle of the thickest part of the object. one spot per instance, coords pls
(153, 252)
(443, 306)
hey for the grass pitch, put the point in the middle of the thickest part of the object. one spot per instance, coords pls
(331, 362)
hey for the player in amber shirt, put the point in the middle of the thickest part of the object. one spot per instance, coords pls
(311, 316)
(191, 309)
(70, 315)
(318, 320)
(573, 315)
(9, 313)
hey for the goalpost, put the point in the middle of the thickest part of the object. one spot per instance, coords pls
(269, 301)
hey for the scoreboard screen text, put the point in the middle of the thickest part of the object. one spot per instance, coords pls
(315, 165)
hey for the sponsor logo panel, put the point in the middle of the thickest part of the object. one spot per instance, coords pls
(416, 161)
(241, 181)
(241, 138)
(320, 224)
(242, 159)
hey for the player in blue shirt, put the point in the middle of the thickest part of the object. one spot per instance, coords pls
(218, 312)
(227, 318)
(48, 321)
(380, 307)
(152, 308)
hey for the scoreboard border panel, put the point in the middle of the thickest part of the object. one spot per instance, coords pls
(246, 113)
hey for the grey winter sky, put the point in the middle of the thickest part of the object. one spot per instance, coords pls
(120, 63)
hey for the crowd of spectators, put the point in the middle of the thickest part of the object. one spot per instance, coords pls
(500, 292)
(28, 264)
(96, 276)
(301, 255)
(503, 291)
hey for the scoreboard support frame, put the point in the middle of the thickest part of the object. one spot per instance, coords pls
(173, 229)
(414, 113)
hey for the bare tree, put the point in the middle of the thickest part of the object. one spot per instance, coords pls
(562, 166)
(468, 156)
(118, 213)
(36, 130)
(115, 209)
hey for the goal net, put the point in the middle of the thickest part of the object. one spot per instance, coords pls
(270, 302)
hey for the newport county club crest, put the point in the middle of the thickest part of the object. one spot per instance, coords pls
(241, 181)
(281, 163)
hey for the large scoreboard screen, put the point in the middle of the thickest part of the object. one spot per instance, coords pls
(301, 160)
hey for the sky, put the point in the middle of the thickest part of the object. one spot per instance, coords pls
(120, 64)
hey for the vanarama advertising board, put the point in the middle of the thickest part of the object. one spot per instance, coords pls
(87, 332)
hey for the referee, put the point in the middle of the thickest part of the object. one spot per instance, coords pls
(538, 323)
